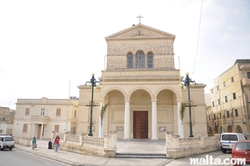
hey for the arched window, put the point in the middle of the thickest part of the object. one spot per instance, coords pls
(150, 60)
(130, 60)
(140, 60)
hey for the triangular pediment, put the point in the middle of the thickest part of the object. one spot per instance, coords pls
(140, 31)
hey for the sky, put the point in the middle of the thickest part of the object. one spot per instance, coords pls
(49, 47)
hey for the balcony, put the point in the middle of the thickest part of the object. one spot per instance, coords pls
(39, 119)
(245, 81)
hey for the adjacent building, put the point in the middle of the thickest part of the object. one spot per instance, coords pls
(39, 117)
(140, 87)
(7, 116)
(230, 100)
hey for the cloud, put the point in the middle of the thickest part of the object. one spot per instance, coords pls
(225, 37)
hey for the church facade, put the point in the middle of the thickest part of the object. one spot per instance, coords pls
(140, 87)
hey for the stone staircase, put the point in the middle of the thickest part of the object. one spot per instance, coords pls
(141, 155)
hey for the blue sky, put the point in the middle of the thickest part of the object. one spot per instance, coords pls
(44, 44)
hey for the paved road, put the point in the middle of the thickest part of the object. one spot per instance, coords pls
(217, 155)
(122, 146)
(16, 157)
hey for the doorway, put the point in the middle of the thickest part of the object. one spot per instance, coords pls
(140, 128)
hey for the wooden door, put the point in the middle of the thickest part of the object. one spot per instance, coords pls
(140, 128)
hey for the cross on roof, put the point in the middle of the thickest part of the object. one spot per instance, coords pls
(139, 18)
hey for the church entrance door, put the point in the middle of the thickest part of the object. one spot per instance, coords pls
(140, 128)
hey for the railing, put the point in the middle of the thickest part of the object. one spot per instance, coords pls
(182, 147)
(85, 144)
(93, 141)
(189, 142)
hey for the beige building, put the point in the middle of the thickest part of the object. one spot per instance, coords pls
(6, 120)
(39, 117)
(230, 100)
(141, 86)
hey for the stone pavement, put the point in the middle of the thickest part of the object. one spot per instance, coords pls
(132, 146)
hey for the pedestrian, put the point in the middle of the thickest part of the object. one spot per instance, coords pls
(57, 143)
(33, 143)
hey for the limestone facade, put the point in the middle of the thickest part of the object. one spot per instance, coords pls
(141, 87)
(6, 120)
(39, 117)
(230, 100)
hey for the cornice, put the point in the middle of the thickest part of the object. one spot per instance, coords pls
(140, 38)
(163, 54)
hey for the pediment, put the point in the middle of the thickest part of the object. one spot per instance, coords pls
(140, 31)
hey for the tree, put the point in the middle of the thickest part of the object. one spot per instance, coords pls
(103, 111)
(182, 114)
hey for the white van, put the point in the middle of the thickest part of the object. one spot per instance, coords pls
(6, 142)
(227, 140)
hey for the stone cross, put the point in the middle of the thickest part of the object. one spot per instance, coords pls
(139, 18)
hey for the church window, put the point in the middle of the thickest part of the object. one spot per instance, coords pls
(150, 59)
(140, 60)
(130, 61)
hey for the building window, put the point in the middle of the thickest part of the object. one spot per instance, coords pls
(234, 96)
(217, 87)
(130, 60)
(42, 111)
(232, 79)
(57, 128)
(25, 126)
(75, 113)
(225, 98)
(218, 101)
(27, 111)
(228, 114)
(248, 75)
(236, 112)
(220, 115)
(213, 103)
(150, 59)
(140, 60)
(214, 117)
(224, 84)
(58, 112)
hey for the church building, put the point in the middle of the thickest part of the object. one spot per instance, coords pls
(140, 87)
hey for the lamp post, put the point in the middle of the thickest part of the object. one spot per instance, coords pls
(93, 83)
(187, 82)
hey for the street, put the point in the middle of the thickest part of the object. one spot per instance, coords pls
(16, 157)
(217, 155)
(22, 158)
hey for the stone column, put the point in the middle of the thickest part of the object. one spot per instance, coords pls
(179, 126)
(5, 127)
(41, 136)
(126, 120)
(100, 134)
(154, 121)
(29, 133)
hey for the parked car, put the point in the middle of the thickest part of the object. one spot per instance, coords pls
(227, 140)
(7, 142)
(241, 149)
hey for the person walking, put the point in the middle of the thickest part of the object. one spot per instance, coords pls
(57, 143)
(33, 143)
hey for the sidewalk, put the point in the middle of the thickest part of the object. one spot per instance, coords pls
(122, 146)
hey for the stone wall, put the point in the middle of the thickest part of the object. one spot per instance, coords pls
(182, 147)
(23, 141)
(84, 144)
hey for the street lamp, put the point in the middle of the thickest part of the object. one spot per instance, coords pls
(92, 83)
(187, 82)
